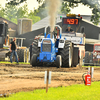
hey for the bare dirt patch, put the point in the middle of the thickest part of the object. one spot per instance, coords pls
(15, 78)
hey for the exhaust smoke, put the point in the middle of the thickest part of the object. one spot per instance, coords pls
(53, 6)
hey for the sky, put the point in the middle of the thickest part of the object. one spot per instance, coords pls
(81, 9)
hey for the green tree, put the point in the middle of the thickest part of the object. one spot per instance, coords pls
(1, 11)
(32, 15)
(22, 12)
(10, 13)
(41, 11)
(94, 4)
(13, 13)
(15, 2)
(65, 8)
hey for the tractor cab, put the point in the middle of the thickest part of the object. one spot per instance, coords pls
(69, 21)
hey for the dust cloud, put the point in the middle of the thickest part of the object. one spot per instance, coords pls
(53, 7)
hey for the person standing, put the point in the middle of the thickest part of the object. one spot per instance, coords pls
(13, 49)
(69, 29)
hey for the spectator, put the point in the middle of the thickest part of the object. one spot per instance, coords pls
(13, 49)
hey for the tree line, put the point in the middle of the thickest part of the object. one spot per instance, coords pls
(94, 4)
(13, 13)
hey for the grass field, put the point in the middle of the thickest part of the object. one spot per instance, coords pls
(5, 62)
(92, 66)
(74, 92)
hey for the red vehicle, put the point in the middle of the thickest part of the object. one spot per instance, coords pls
(96, 54)
(93, 58)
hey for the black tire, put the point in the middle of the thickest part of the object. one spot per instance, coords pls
(68, 47)
(58, 61)
(86, 59)
(36, 50)
(34, 60)
(20, 53)
(75, 56)
(30, 49)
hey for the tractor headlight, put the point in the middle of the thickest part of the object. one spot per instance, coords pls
(61, 41)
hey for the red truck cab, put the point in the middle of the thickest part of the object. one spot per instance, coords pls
(96, 53)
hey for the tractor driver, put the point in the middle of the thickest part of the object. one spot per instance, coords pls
(69, 29)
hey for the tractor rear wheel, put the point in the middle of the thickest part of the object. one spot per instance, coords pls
(20, 53)
(67, 54)
(86, 59)
(91, 59)
(75, 56)
(36, 50)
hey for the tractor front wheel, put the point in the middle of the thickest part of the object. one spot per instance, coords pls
(34, 60)
(58, 61)
(36, 50)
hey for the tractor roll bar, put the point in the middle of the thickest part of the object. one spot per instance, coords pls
(55, 26)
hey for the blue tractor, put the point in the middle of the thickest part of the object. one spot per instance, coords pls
(46, 50)
(56, 48)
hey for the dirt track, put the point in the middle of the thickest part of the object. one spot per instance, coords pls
(15, 78)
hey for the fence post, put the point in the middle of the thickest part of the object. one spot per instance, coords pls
(47, 80)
